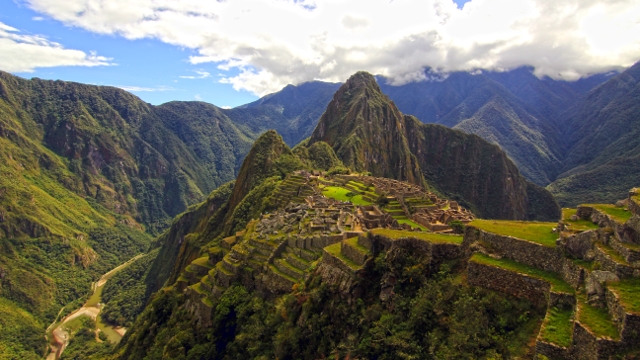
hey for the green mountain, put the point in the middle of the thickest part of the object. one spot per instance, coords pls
(368, 133)
(293, 111)
(602, 133)
(87, 173)
(234, 265)
(286, 264)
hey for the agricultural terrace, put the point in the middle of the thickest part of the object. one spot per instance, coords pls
(557, 284)
(619, 214)
(430, 237)
(576, 225)
(538, 232)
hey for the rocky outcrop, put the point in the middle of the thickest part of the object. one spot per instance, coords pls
(368, 133)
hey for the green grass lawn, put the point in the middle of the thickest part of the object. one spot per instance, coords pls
(597, 320)
(577, 225)
(620, 215)
(557, 284)
(431, 237)
(629, 292)
(558, 328)
(538, 232)
(340, 193)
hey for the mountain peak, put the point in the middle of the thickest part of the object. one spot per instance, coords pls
(365, 129)
(362, 79)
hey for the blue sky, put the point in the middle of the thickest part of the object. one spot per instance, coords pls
(150, 64)
(230, 53)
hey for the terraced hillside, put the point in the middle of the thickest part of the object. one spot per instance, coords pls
(585, 274)
(317, 216)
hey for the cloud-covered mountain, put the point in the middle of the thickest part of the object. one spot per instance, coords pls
(262, 46)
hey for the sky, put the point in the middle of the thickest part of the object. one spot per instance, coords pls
(230, 52)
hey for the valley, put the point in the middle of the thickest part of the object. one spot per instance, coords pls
(352, 241)
(57, 333)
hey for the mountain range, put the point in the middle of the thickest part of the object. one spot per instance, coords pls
(89, 174)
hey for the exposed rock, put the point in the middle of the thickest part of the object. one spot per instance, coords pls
(594, 286)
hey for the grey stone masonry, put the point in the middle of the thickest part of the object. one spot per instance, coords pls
(523, 251)
(552, 351)
(628, 323)
(518, 285)
(353, 253)
(633, 203)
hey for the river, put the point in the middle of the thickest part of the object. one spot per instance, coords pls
(92, 309)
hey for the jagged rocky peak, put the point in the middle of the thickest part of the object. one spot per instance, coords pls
(366, 130)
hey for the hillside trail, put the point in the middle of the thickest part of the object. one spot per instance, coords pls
(61, 335)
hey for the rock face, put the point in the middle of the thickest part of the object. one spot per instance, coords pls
(366, 130)
(368, 133)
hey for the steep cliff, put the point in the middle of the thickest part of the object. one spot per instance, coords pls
(366, 130)
(368, 133)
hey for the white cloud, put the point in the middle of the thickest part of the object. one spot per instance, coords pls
(25, 53)
(144, 89)
(201, 75)
(198, 97)
(272, 43)
(225, 107)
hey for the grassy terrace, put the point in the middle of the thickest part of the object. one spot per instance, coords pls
(336, 251)
(577, 225)
(431, 237)
(354, 243)
(612, 254)
(620, 215)
(277, 271)
(629, 292)
(538, 232)
(557, 284)
(202, 261)
(411, 223)
(340, 193)
(558, 328)
(597, 320)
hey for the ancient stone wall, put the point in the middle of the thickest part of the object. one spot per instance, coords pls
(632, 204)
(333, 261)
(518, 285)
(587, 346)
(552, 351)
(628, 324)
(366, 241)
(526, 252)
(352, 253)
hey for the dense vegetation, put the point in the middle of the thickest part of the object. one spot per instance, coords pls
(126, 293)
(429, 317)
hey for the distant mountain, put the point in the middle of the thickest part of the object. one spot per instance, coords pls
(84, 171)
(293, 111)
(513, 109)
(368, 133)
(602, 133)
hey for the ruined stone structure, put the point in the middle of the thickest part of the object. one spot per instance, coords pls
(586, 268)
